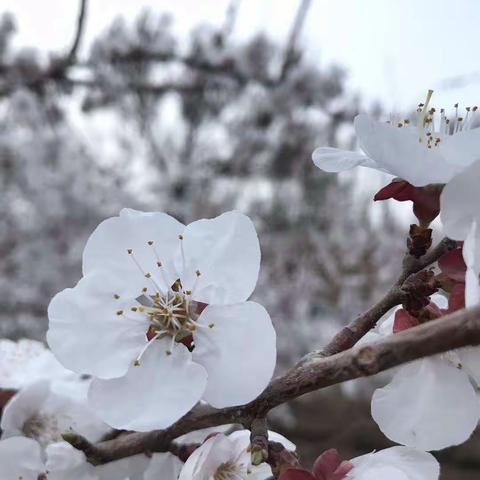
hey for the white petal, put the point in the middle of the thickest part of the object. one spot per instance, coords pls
(66, 463)
(163, 466)
(25, 404)
(108, 245)
(471, 256)
(428, 405)
(19, 363)
(226, 251)
(62, 415)
(129, 468)
(459, 203)
(414, 464)
(337, 160)
(377, 472)
(398, 151)
(238, 352)
(461, 149)
(472, 288)
(152, 395)
(470, 359)
(204, 461)
(87, 334)
(20, 457)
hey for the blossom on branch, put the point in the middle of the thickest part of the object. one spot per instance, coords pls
(160, 318)
(432, 151)
(39, 413)
(396, 463)
(228, 458)
(460, 217)
(429, 404)
(23, 458)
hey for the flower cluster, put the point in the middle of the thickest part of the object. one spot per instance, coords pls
(161, 322)
(431, 403)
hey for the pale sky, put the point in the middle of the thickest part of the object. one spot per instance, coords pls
(393, 50)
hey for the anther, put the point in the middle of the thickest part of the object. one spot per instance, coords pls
(211, 325)
(400, 125)
(119, 312)
(159, 264)
(198, 273)
(144, 290)
(134, 309)
(148, 275)
(116, 296)
(129, 251)
(150, 242)
(180, 237)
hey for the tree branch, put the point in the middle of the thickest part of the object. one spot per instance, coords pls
(82, 15)
(348, 336)
(290, 56)
(456, 330)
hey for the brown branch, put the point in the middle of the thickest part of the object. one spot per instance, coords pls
(348, 336)
(141, 87)
(456, 330)
(259, 440)
(290, 56)
(82, 15)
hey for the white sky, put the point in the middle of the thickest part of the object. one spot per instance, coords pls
(393, 50)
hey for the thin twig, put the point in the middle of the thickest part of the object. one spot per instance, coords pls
(82, 15)
(357, 328)
(291, 48)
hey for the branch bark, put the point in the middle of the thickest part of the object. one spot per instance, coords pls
(456, 330)
(82, 15)
(348, 336)
(291, 49)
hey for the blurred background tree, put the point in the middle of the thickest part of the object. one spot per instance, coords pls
(193, 126)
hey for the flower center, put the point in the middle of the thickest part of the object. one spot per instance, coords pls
(43, 428)
(170, 309)
(433, 128)
(230, 471)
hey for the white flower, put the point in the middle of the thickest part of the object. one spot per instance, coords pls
(396, 463)
(430, 404)
(224, 457)
(164, 466)
(28, 361)
(63, 462)
(149, 284)
(432, 151)
(460, 215)
(38, 413)
(22, 458)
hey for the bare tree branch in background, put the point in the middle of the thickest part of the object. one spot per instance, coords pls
(81, 20)
(230, 17)
(291, 53)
